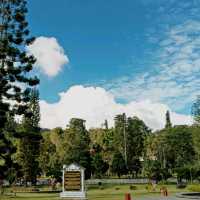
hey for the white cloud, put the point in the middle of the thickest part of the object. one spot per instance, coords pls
(49, 54)
(95, 104)
(175, 79)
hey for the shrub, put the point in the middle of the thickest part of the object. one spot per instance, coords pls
(133, 187)
(181, 186)
(149, 187)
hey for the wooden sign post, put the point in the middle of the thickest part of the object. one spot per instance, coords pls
(73, 182)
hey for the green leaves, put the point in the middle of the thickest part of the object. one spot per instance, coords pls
(14, 65)
(118, 164)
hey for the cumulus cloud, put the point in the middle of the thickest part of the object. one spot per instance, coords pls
(49, 54)
(95, 104)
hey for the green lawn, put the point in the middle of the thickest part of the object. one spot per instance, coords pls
(108, 192)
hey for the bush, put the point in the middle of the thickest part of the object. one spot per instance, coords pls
(100, 185)
(149, 187)
(181, 186)
(133, 187)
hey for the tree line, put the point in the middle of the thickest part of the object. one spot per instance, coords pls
(129, 149)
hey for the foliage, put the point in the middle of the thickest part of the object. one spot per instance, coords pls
(77, 145)
(97, 136)
(99, 167)
(56, 137)
(168, 120)
(108, 146)
(153, 170)
(195, 129)
(29, 142)
(196, 141)
(51, 153)
(137, 132)
(47, 151)
(119, 139)
(179, 146)
(133, 187)
(187, 172)
(9, 132)
(118, 164)
(103, 138)
(129, 139)
(14, 67)
(173, 150)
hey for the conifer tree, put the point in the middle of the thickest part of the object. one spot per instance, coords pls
(29, 144)
(168, 120)
(106, 124)
(15, 64)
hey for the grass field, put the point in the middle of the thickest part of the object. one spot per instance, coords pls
(109, 192)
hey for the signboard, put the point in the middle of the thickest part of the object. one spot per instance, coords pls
(73, 186)
(72, 181)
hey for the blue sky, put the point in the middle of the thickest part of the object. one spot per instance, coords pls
(137, 51)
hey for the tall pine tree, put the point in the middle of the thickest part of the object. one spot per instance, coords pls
(29, 143)
(15, 64)
(168, 120)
